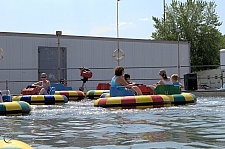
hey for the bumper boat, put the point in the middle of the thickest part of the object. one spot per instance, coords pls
(72, 95)
(14, 108)
(164, 95)
(6, 143)
(9, 108)
(104, 89)
(95, 94)
(42, 99)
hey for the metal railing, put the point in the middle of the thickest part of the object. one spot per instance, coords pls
(219, 76)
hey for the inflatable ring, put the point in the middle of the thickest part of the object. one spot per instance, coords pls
(183, 98)
(145, 101)
(71, 95)
(132, 102)
(104, 95)
(14, 108)
(176, 99)
(42, 99)
(5, 144)
(118, 58)
(95, 94)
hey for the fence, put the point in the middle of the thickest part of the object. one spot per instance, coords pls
(213, 79)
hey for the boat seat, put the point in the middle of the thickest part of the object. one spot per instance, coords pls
(52, 91)
(103, 86)
(120, 91)
(7, 98)
(165, 89)
(60, 87)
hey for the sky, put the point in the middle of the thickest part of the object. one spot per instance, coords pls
(87, 17)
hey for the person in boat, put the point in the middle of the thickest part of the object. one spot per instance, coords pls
(165, 79)
(175, 80)
(127, 79)
(118, 80)
(43, 85)
(1, 100)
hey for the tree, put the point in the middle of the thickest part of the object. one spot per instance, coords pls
(223, 42)
(198, 23)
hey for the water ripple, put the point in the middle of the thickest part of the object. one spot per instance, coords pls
(81, 125)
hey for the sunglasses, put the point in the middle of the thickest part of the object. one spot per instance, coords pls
(43, 77)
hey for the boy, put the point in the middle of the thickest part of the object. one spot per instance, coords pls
(175, 81)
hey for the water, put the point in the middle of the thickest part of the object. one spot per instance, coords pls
(78, 125)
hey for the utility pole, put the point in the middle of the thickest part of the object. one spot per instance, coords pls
(58, 34)
(117, 29)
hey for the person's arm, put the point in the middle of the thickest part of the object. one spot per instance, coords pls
(132, 83)
(160, 82)
(36, 84)
(181, 85)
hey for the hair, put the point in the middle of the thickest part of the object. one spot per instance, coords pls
(164, 75)
(126, 76)
(175, 77)
(118, 70)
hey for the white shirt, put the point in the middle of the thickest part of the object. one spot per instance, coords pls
(167, 82)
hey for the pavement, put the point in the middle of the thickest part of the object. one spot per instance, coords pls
(206, 92)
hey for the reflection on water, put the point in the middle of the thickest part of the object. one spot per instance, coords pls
(81, 125)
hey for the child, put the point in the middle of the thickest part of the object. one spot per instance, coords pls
(1, 97)
(175, 81)
(127, 78)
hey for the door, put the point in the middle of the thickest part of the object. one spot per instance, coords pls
(48, 63)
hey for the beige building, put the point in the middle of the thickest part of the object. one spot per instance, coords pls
(214, 78)
(26, 56)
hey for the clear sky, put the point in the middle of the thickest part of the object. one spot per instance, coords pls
(86, 17)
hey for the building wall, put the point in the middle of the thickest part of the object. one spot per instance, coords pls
(143, 58)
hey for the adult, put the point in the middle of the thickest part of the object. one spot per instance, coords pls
(165, 79)
(118, 80)
(43, 85)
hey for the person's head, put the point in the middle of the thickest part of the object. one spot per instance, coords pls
(119, 70)
(43, 76)
(175, 77)
(127, 77)
(162, 73)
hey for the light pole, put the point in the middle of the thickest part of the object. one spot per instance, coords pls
(58, 34)
(178, 43)
(164, 10)
(117, 29)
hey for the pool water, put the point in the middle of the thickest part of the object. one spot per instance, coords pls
(81, 125)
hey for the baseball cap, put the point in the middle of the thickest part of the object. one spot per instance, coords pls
(43, 75)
